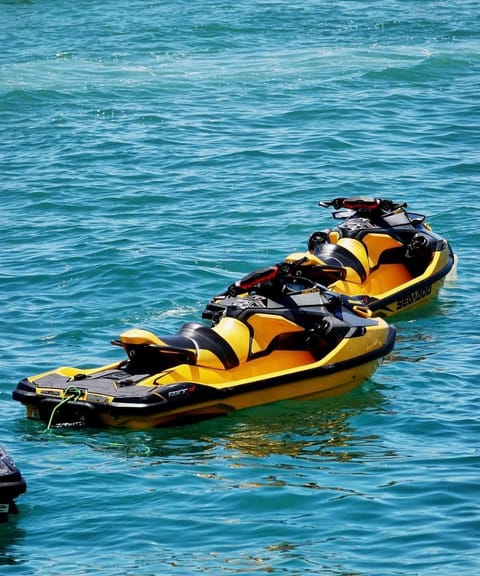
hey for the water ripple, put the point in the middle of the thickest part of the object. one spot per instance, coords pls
(151, 156)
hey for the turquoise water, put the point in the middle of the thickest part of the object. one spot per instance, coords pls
(151, 153)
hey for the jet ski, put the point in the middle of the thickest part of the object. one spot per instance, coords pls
(380, 255)
(300, 342)
(12, 485)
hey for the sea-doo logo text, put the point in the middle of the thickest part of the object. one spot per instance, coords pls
(414, 297)
(180, 392)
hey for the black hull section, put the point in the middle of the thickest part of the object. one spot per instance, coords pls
(12, 485)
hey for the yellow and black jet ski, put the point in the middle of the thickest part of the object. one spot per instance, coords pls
(300, 342)
(380, 255)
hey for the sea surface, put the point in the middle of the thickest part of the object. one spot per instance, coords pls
(153, 152)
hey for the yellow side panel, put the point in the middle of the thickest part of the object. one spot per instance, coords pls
(209, 359)
(386, 278)
(439, 260)
(376, 244)
(274, 363)
(267, 326)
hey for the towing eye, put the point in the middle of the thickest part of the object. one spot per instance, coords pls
(71, 393)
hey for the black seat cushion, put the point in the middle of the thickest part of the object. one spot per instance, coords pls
(208, 339)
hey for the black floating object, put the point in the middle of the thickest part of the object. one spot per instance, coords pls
(12, 485)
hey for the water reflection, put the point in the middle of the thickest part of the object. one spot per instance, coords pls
(313, 430)
(320, 428)
(412, 346)
(10, 536)
(243, 466)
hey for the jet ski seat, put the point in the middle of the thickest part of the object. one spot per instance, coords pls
(194, 344)
(348, 253)
(212, 348)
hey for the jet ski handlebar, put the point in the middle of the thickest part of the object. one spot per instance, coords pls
(270, 276)
(363, 204)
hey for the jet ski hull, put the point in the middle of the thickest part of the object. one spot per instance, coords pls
(380, 256)
(414, 292)
(113, 396)
(404, 263)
